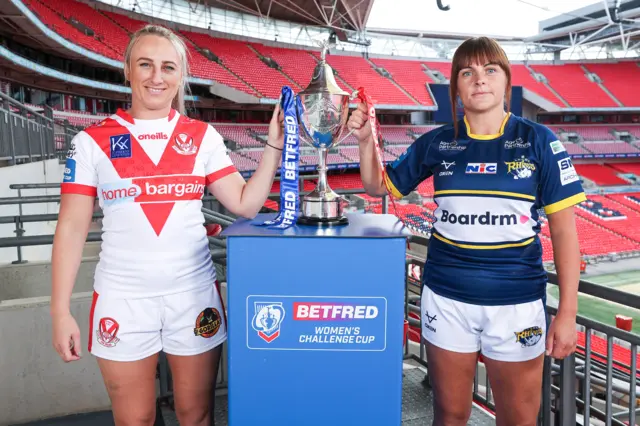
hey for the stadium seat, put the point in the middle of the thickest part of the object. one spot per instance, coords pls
(600, 174)
(617, 78)
(357, 72)
(570, 81)
(410, 75)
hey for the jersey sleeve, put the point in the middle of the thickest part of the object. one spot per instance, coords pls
(410, 168)
(560, 185)
(80, 174)
(218, 164)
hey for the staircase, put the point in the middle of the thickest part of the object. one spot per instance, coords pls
(395, 83)
(594, 77)
(547, 85)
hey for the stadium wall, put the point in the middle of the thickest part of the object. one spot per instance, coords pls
(49, 171)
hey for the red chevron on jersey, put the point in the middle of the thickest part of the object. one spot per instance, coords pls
(178, 158)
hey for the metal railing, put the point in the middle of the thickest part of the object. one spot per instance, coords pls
(579, 389)
(25, 135)
(587, 385)
(22, 240)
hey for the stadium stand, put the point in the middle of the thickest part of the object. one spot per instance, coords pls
(572, 85)
(604, 154)
(600, 174)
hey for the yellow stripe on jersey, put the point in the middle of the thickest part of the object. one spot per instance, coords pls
(487, 137)
(481, 192)
(487, 247)
(563, 204)
(392, 188)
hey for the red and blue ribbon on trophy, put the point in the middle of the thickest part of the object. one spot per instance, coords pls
(289, 205)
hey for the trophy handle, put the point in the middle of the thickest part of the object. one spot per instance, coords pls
(344, 138)
(352, 97)
(303, 132)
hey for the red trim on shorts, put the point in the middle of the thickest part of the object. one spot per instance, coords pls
(76, 188)
(91, 312)
(212, 177)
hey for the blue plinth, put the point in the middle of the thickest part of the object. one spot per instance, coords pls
(315, 322)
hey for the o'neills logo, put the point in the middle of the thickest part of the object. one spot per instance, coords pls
(154, 136)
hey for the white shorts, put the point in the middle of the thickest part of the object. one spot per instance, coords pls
(186, 323)
(503, 333)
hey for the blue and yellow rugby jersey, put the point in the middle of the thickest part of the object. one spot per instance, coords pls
(485, 247)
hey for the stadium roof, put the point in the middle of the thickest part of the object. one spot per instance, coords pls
(615, 27)
(345, 14)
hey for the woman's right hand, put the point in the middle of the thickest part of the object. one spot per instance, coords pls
(66, 337)
(359, 120)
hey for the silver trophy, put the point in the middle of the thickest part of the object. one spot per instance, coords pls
(322, 121)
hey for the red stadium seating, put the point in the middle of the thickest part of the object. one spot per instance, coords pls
(633, 168)
(410, 75)
(618, 79)
(106, 31)
(244, 71)
(243, 62)
(590, 133)
(57, 23)
(521, 76)
(357, 72)
(600, 174)
(297, 64)
(570, 82)
(631, 200)
(625, 227)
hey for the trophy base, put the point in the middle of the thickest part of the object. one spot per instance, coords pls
(323, 222)
(325, 211)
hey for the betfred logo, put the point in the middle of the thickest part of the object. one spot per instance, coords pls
(487, 218)
(154, 136)
(481, 168)
(305, 311)
(155, 189)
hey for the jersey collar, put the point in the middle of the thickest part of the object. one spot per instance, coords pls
(129, 119)
(487, 137)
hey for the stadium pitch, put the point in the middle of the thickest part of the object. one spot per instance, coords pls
(601, 310)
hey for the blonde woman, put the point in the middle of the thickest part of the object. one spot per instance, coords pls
(155, 284)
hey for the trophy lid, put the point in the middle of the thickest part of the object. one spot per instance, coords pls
(323, 80)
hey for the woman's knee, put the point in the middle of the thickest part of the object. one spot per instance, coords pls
(447, 413)
(137, 417)
(193, 415)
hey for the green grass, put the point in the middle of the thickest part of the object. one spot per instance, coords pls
(616, 280)
(603, 311)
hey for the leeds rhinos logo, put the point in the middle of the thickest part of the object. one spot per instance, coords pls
(529, 336)
(267, 320)
(521, 168)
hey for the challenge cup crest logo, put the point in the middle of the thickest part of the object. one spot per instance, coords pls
(267, 320)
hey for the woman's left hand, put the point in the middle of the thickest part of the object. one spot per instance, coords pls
(562, 336)
(276, 128)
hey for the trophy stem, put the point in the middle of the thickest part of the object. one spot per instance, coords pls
(323, 186)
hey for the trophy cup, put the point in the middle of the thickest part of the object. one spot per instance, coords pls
(322, 117)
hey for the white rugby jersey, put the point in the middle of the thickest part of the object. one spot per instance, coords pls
(149, 176)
